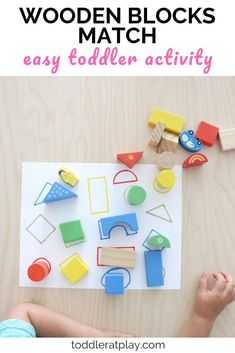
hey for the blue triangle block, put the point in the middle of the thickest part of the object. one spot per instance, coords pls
(58, 192)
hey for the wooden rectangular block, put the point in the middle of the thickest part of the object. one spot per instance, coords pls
(227, 139)
(117, 257)
(174, 123)
(169, 142)
(153, 268)
(157, 134)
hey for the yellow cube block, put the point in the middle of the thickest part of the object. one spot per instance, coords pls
(74, 268)
(174, 123)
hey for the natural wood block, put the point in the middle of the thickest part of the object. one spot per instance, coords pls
(157, 134)
(227, 139)
(117, 257)
(166, 160)
(169, 142)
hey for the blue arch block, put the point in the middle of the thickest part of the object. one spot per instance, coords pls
(127, 221)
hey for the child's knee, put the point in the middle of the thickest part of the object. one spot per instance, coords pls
(19, 311)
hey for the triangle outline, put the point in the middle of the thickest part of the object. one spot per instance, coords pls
(167, 219)
(67, 194)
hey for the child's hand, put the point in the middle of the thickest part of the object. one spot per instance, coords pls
(214, 292)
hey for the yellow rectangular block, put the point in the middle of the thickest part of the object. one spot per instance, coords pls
(117, 257)
(174, 123)
(74, 268)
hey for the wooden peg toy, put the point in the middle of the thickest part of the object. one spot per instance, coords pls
(157, 134)
(194, 160)
(129, 159)
(68, 176)
(165, 160)
(227, 139)
(169, 142)
(207, 133)
(189, 142)
(174, 123)
(39, 269)
(164, 181)
(134, 195)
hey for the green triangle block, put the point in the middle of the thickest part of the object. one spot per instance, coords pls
(72, 233)
(159, 242)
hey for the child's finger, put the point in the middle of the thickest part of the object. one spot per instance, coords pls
(227, 277)
(220, 282)
(202, 283)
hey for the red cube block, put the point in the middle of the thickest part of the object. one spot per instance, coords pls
(207, 133)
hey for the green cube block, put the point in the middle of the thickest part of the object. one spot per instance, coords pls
(72, 233)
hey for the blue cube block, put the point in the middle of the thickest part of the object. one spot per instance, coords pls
(114, 283)
(153, 268)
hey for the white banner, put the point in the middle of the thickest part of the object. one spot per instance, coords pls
(113, 37)
(168, 345)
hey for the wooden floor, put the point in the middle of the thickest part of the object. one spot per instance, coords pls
(90, 120)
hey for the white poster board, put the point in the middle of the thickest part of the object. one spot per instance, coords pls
(36, 175)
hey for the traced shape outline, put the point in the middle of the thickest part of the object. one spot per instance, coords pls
(148, 247)
(126, 181)
(44, 187)
(33, 235)
(169, 219)
(117, 269)
(115, 247)
(106, 195)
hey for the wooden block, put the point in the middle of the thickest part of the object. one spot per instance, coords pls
(72, 233)
(117, 257)
(227, 139)
(74, 268)
(189, 142)
(166, 160)
(130, 158)
(135, 195)
(194, 160)
(114, 283)
(164, 181)
(169, 142)
(128, 222)
(174, 123)
(207, 133)
(157, 134)
(153, 268)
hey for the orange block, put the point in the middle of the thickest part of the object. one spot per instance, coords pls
(129, 159)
